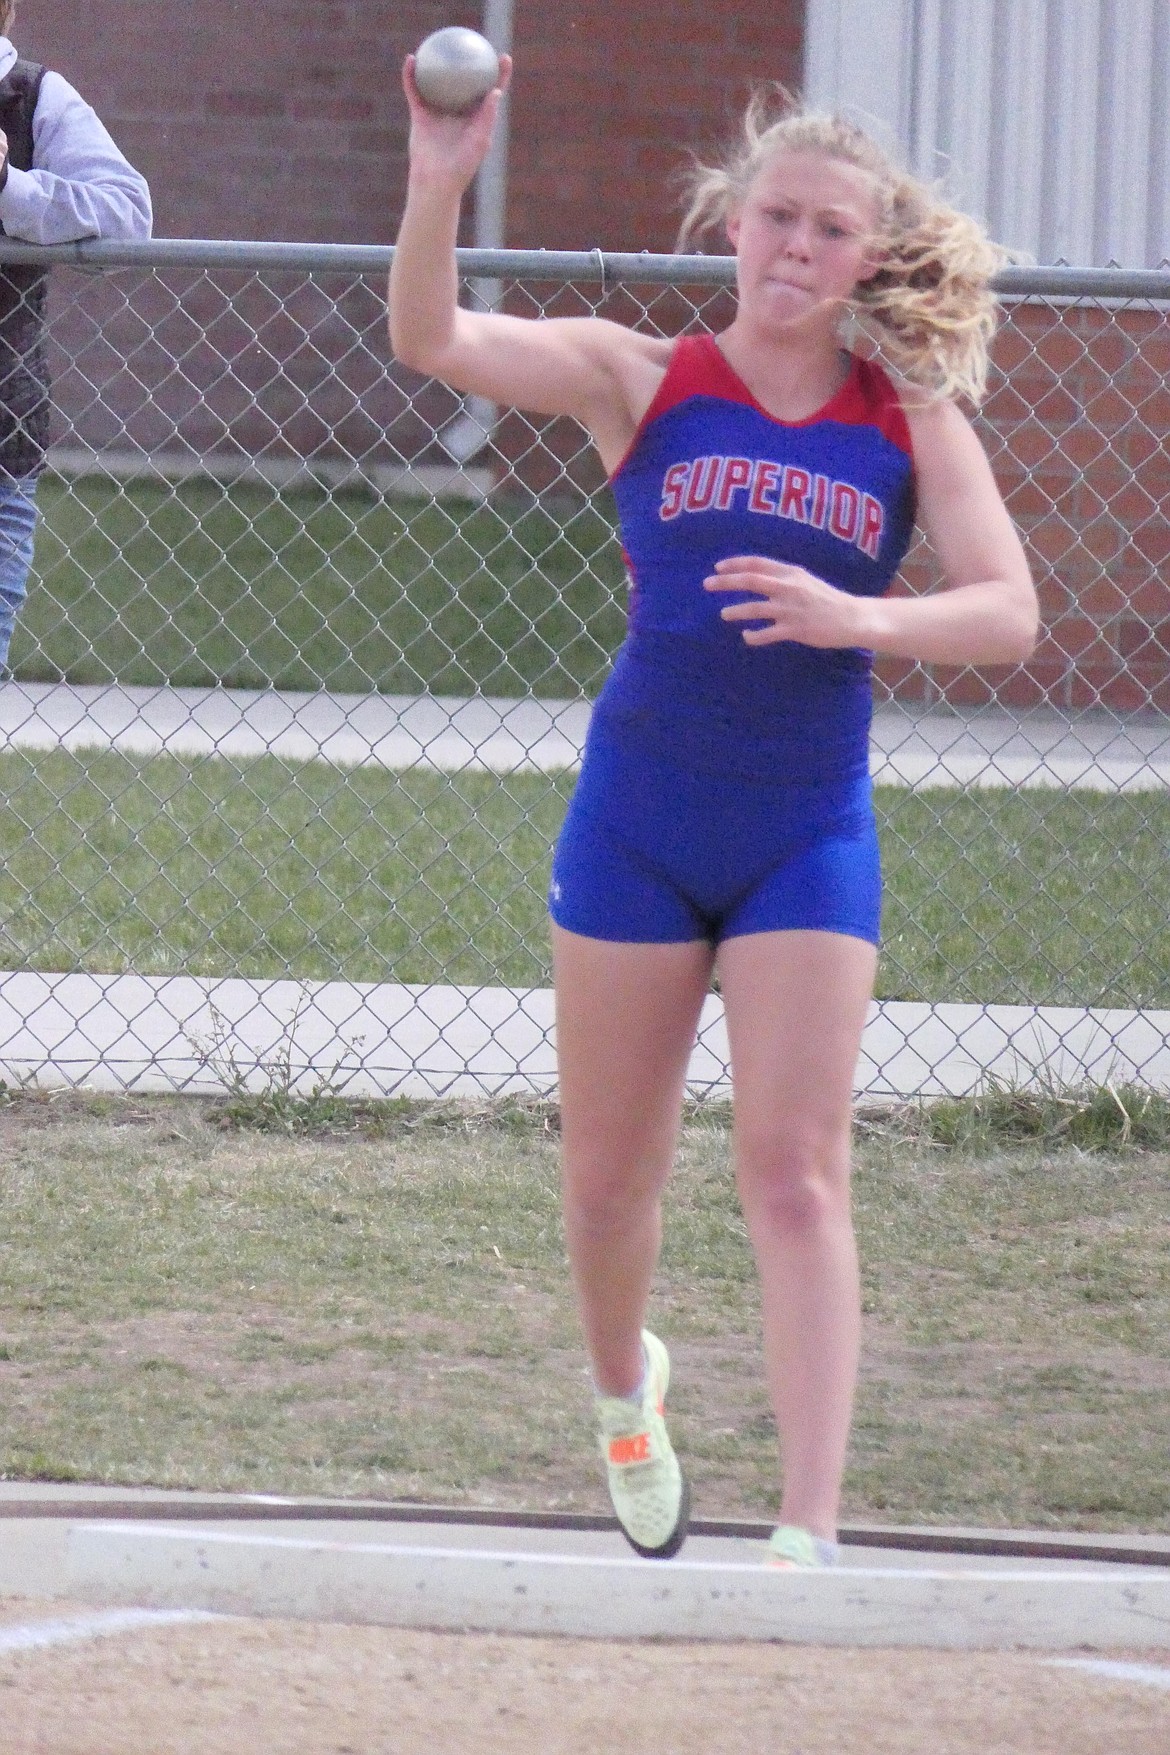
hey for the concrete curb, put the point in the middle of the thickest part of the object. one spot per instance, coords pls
(386, 1584)
(178, 1032)
(912, 747)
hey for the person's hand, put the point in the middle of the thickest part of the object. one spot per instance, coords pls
(792, 604)
(3, 158)
(451, 147)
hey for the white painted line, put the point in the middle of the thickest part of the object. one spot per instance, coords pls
(36, 1635)
(377, 1583)
(1148, 1675)
(180, 1032)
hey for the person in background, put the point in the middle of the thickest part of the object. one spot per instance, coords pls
(62, 179)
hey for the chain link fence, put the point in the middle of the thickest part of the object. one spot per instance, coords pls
(301, 685)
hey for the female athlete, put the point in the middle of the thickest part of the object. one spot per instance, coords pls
(767, 481)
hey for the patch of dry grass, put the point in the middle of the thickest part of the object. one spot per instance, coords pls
(184, 1304)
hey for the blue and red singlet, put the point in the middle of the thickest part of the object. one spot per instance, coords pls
(725, 787)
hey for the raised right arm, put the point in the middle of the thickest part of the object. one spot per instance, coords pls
(600, 373)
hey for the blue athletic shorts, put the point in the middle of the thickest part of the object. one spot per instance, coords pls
(653, 854)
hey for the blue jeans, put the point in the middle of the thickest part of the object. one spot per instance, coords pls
(18, 522)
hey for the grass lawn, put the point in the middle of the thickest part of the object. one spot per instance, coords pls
(1026, 897)
(184, 1304)
(194, 584)
(266, 868)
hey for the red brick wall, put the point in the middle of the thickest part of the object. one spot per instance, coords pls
(608, 99)
(1076, 427)
(250, 118)
(284, 119)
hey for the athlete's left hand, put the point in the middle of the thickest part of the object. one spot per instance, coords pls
(792, 603)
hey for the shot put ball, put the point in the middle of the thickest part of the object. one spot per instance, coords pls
(454, 69)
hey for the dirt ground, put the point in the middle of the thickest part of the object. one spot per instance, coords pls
(291, 1688)
(390, 1318)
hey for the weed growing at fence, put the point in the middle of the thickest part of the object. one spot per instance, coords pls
(325, 1112)
(269, 868)
(1096, 1119)
(1091, 1118)
(271, 1097)
(187, 1305)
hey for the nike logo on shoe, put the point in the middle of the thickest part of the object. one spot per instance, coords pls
(634, 1449)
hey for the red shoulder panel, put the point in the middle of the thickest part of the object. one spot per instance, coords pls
(697, 368)
(870, 398)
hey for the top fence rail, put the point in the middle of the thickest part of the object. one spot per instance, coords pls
(610, 267)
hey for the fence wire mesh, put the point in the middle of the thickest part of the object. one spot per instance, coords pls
(304, 673)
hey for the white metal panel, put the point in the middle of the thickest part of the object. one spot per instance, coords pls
(922, 75)
(1071, 126)
(1016, 166)
(1124, 136)
(854, 60)
(1049, 118)
(822, 83)
(1158, 223)
(966, 68)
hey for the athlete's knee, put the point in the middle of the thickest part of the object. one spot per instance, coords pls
(604, 1197)
(794, 1182)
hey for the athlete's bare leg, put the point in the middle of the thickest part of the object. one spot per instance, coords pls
(626, 1021)
(796, 1006)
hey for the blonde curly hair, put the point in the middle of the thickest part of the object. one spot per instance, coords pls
(929, 310)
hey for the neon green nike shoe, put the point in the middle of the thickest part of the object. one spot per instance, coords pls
(796, 1550)
(647, 1486)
